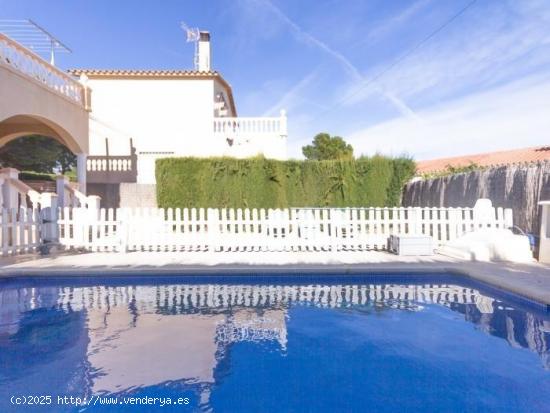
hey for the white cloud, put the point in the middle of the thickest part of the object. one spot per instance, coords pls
(393, 23)
(516, 115)
(290, 98)
(307, 38)
(350, 68)
(491, 43)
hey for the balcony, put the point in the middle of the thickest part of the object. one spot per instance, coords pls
(242, 127)
(30, 65)
(111, 169)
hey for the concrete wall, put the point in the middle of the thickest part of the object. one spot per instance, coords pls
(109, 194)
(138, 195)
(519, 187)
(125, 195)
(163, 117)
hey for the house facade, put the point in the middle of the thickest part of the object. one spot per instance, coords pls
(139, 116)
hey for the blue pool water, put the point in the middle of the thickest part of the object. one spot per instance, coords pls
(239, 344)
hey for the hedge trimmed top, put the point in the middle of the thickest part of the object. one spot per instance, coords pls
(267, 183)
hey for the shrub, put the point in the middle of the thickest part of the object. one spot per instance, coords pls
(267, 183)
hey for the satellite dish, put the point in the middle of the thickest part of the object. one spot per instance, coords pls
(192, 35)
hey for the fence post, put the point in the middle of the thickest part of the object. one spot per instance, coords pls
(93, 202)
(9, 192)
(60, 182)
(508, 218)
(484, 213)
(122, 228)
(50, 232)
(212, 216)
(544, 250)
(335, 230)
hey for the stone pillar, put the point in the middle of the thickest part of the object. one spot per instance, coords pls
(544, 248)
(93, 202)
(50, 233)
(62, 200)
(86, 92)
(81, 171)
(10, 196)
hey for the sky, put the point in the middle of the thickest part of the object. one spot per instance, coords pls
(400, 77)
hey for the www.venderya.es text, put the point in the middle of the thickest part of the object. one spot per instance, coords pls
(45, 400)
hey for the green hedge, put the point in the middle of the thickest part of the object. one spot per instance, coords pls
(36, 176)
(266, 183)
(42, 176)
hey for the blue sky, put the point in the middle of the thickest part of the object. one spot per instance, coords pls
(480, 84)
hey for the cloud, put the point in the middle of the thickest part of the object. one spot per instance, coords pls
(350, 68)
(515, 115)
(392, 24)
(307, 38)
(475, 52)
(292, 96)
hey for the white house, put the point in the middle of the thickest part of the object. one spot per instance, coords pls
(140, 115)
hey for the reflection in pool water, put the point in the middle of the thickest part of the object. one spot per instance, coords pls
(228, 347)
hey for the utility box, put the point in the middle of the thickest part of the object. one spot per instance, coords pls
(411, 244)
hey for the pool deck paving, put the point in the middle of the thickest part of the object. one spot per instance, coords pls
(531, 281)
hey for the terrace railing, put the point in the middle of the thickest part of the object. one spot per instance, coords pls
(305, 229)
(235, 127)
(111, 169)
(29, 64)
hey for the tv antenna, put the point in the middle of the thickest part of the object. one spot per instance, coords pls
(192, 35)
(33, 37)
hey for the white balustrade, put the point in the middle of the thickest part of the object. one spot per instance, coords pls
(243, 126)
(14, 193)
(28, 63)
(71, 197)
(109, 163)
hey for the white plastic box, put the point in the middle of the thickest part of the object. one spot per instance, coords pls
(411, 244)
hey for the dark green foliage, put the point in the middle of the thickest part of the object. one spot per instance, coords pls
(39, 176)
(37, 153)
(453, 170)
(266, 183)
(36, 176)
(403, 169)
(325, 147)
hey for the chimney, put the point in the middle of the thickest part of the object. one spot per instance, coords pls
(204, 54)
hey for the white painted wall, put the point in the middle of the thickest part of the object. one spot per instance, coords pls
(164, 117)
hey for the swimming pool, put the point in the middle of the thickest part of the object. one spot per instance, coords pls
(239, 343)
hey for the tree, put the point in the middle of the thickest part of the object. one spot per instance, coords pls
(325, 147)
(37, 153)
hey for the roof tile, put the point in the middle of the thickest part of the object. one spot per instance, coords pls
(141, 73)
(526, 155)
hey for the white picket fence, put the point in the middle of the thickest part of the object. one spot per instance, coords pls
(21, 230)
(301, 229)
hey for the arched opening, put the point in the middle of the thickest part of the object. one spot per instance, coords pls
(40, 149)
(25, 125)
(39, 159)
